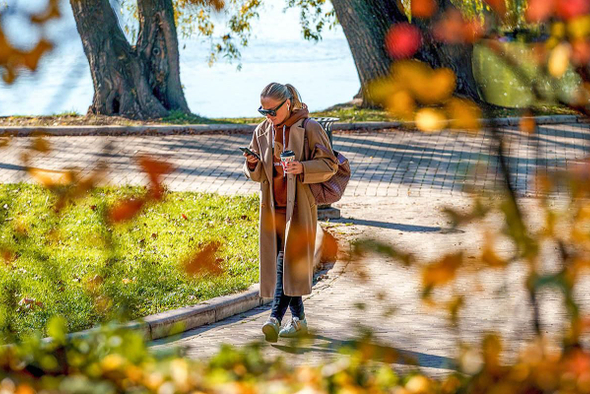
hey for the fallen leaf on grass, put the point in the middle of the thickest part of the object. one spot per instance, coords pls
(30, 302)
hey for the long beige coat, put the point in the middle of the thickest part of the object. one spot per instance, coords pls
(301, 216)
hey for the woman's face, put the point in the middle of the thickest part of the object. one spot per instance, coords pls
(282, 113)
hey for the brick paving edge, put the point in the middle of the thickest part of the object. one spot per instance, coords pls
(175, 321)
(159, 130)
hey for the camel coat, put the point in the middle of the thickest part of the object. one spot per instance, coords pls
(301, 218)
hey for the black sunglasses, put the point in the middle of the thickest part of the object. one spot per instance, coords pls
(271, 112)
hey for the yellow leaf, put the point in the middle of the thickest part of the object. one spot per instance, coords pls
(579, 27)
(418, 384)
(437, 86)
(559, 60)
(40, 145)
(430, 120)
(401, 105)
(464, 114)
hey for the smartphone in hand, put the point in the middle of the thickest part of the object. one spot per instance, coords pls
(249, 152)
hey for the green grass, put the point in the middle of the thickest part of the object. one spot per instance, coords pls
(139, 263)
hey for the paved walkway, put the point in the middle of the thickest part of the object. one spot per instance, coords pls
(424, 173)
(384, 164)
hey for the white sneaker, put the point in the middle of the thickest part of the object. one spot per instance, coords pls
(295, 328)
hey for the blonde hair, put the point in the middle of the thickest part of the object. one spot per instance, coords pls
(281, 92)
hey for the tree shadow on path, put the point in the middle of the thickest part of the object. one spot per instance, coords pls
(373, 351)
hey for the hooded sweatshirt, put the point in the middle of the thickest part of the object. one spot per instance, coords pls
(279, 180)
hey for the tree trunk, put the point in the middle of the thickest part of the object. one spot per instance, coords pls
(128, 82)
(456, 57)
(365, 24)
(157, 46)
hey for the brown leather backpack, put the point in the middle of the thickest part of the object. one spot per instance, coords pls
(330, 191)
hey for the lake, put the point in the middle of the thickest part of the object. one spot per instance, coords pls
(324, 73)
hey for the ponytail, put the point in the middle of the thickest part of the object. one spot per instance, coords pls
(282, 92)
(295, 96)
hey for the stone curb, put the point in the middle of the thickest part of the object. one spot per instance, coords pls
(158, 130)
(173, 322)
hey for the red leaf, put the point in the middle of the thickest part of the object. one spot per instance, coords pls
(569, 9)
(125, 210)
(403, 40)
(184, 217)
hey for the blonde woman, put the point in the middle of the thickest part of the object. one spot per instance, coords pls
(288, 214)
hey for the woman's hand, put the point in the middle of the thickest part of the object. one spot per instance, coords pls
(294, 168)
(251, 159)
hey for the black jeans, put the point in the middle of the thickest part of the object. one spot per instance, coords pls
(282, 301)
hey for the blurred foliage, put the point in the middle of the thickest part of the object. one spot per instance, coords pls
(117, 361)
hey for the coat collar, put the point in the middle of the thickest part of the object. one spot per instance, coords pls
(296, 141)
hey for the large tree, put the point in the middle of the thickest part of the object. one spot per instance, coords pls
(365, 24)
(141, 81)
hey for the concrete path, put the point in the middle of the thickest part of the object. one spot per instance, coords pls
(401, 182)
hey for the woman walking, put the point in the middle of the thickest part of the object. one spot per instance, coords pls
(288, 213)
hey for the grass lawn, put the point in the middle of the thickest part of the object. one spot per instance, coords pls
(74, 265)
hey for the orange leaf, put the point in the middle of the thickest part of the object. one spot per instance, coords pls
(125, 210)
(528, 124)
(155, 169)
(51, 12)
(204, 261)
(329, 248)
(423, 8)
(441, 271)
(499, 7)
(31, 59)
(50, 178)
(539, 10)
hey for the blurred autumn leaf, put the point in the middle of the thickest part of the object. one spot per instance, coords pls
(13, 59)
(403, 40)
(125, 210)
(204, 261)
(329, 247)
(155, 169)
(423, 8)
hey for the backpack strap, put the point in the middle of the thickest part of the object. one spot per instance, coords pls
(305, 140)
